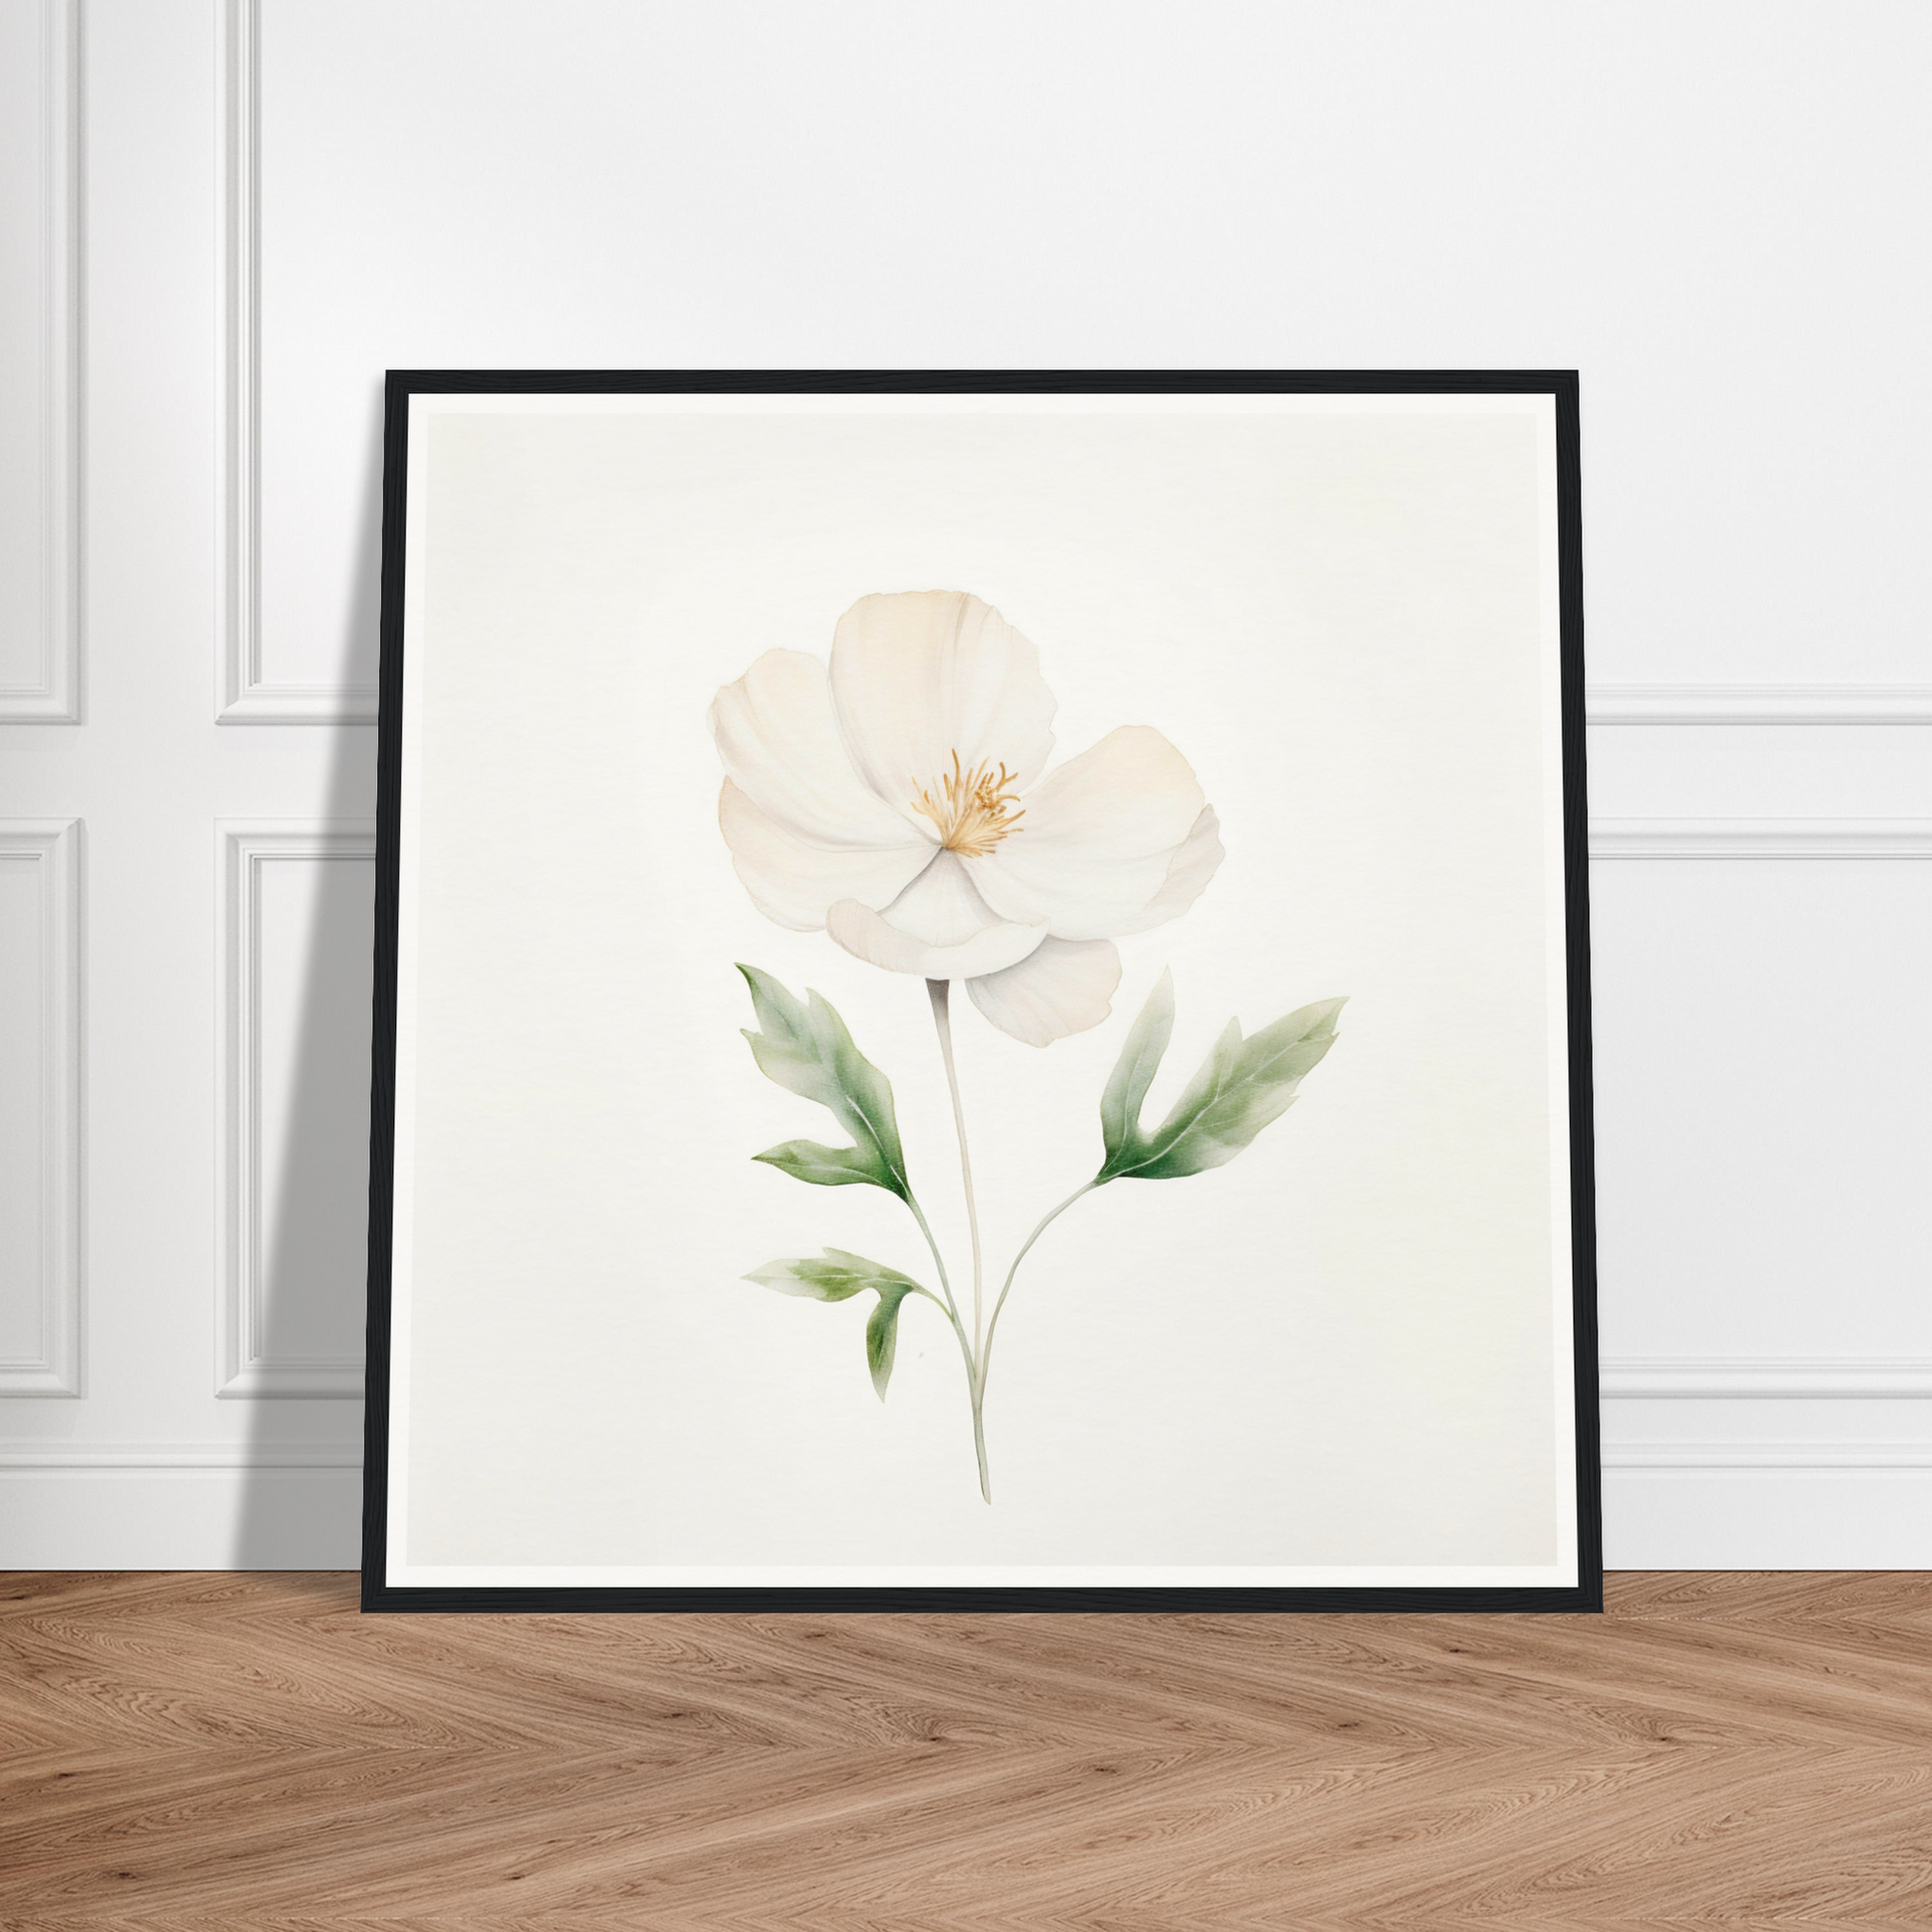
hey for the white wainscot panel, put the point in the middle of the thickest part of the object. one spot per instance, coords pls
(297, 901)
(40, 1108)
(298, 567)
(1765, 1112)
(1765, 1126)
(39, 320)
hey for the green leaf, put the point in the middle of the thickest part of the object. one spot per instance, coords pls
(837, 1276)
(1241, 1086)
(881, 1336)
(822, 1165)
(804, 1046)
(1134, 1071)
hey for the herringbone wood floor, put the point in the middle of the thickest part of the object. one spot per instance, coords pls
(247, 1751)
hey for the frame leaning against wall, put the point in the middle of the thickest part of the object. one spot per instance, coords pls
(379, 1594)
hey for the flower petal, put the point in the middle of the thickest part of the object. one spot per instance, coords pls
(779, 739)
(1064, 986)
(920, 675)
(940, 907)
(873, 936)
(794, 880)
(1097, 838)
(1192, 867)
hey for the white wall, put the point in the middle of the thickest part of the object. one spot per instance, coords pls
(219, 222)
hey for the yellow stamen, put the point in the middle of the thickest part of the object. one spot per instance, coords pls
(973, 810)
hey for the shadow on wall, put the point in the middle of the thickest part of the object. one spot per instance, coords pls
(301, 1494)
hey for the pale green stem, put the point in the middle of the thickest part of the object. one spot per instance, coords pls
(939, 993)
(986, 1353)
(938, 1260)
(947, 1307)
(951, 1313)
(991, 1327)
(979, 1444)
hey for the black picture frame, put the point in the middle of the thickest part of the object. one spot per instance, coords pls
(378, 1594)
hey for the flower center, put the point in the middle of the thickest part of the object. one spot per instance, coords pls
(973, 810)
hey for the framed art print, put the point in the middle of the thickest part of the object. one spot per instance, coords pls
(982, 995)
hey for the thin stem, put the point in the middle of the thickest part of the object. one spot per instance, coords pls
(939, 993)
(986, 1353)
(977, 1374)
(938, 1260)
(947, 1307)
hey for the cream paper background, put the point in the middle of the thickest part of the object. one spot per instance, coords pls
(1345, 1354)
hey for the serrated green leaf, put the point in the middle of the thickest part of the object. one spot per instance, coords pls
(805, 1046)
(1240, 1087)
(1134, 1071)
(836, 1276)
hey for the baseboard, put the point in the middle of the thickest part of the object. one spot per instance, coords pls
(197, 1518)
(1768, 1518)
(1661, 1518)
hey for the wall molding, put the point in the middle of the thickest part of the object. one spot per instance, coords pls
(1766, 1378)
(1665, 1457)
(243, 1366)
(1761, 838)
(244, 694)
(53, 698)
(1799, 1378)
(53, 847)
(39, 1455)
(1760, 1378)
(1759, 704)
(50, 1456)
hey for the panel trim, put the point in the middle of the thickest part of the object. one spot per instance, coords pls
(1796, 1378)
(53, 845)
(54, 697)
(1761, 838)
(1662, 1457)
(242, 1367)
(348, 1455)
(1799, 1378)
(1666, 1457)
(1759, 704)
(244, 695)
(39, 1456)
(180, 1456)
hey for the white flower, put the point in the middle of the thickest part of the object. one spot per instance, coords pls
(898, 803)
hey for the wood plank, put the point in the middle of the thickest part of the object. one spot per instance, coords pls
(247, 1750)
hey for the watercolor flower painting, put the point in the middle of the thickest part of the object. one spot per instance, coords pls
(902, 799)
